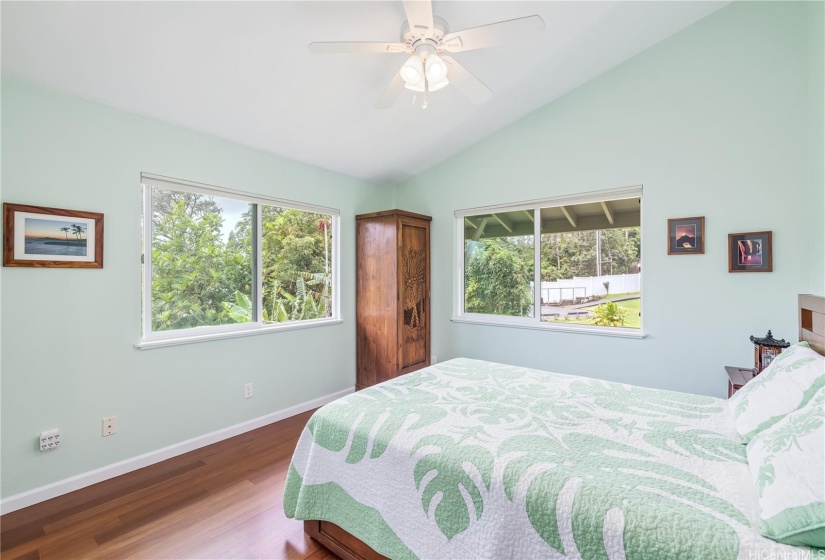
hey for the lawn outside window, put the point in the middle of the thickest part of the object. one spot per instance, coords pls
(220, 263)
(568, 263)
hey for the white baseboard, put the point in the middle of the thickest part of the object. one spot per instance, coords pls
(49, 491)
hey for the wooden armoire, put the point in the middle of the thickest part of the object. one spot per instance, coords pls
(392, 295)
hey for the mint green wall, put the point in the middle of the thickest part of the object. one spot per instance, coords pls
(714, 122)
(816, 138)
(67, 336)
(723, 120)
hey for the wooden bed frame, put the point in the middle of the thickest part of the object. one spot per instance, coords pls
(348, 547)
(812, 321)
(339, 542)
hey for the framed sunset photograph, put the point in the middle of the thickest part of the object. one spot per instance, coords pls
(750, 252)
(686, 236)
(38, 236)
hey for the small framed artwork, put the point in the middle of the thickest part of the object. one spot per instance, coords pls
(750, 252)
(51, 237)
(686, 236)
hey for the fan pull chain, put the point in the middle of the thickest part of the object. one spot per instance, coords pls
(415, 98)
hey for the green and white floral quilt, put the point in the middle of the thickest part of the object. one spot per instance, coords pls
(471, 459)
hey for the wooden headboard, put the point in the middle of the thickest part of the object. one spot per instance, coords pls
(812, 321)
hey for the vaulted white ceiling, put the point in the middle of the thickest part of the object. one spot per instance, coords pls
(242, 70)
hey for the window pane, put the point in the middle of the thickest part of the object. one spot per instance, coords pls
(297, 265)
(201, 260)
(590, 273)
(499, 264)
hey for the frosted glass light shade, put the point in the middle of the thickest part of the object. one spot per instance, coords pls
(436, 68)
(412, 71)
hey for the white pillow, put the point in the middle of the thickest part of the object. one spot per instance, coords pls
(787, 463)
(787, 384)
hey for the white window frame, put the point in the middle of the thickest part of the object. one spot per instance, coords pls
(462, 316)
(151, 339)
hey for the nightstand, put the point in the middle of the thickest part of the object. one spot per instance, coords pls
(737, 377)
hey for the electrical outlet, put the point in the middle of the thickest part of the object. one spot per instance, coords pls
(247, 391)
(49, 440)
(109, 426)
(433, 360)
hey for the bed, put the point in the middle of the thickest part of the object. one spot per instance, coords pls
(473, 459)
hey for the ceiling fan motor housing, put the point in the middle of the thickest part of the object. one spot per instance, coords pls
(414, 38)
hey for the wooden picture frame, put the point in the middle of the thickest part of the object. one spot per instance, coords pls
(32, 237)
(750, 252)
(686, 236)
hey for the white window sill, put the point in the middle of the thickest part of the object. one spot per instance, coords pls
(171, 339)
(547, 326)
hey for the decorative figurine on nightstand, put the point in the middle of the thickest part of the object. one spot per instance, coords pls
(765, 350)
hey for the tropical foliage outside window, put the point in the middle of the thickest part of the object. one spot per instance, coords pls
(204, 255)
(587, 267)
(603, 266)
(499, 276)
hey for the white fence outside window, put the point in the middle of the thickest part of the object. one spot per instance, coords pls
(581, 287)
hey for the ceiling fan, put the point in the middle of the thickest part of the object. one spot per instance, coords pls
(426, 38)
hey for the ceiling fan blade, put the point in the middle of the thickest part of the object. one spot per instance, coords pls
(511, 31)
(391, 93)
(419, 16)
(356, 48)
(467, 84)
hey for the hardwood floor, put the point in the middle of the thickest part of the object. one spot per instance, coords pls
(221, 501)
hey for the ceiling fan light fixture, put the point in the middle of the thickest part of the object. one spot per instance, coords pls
(419, 87)
(436, 68)
(412, 71)
(435, 86)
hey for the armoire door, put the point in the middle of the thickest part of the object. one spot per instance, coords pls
(413, 294)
